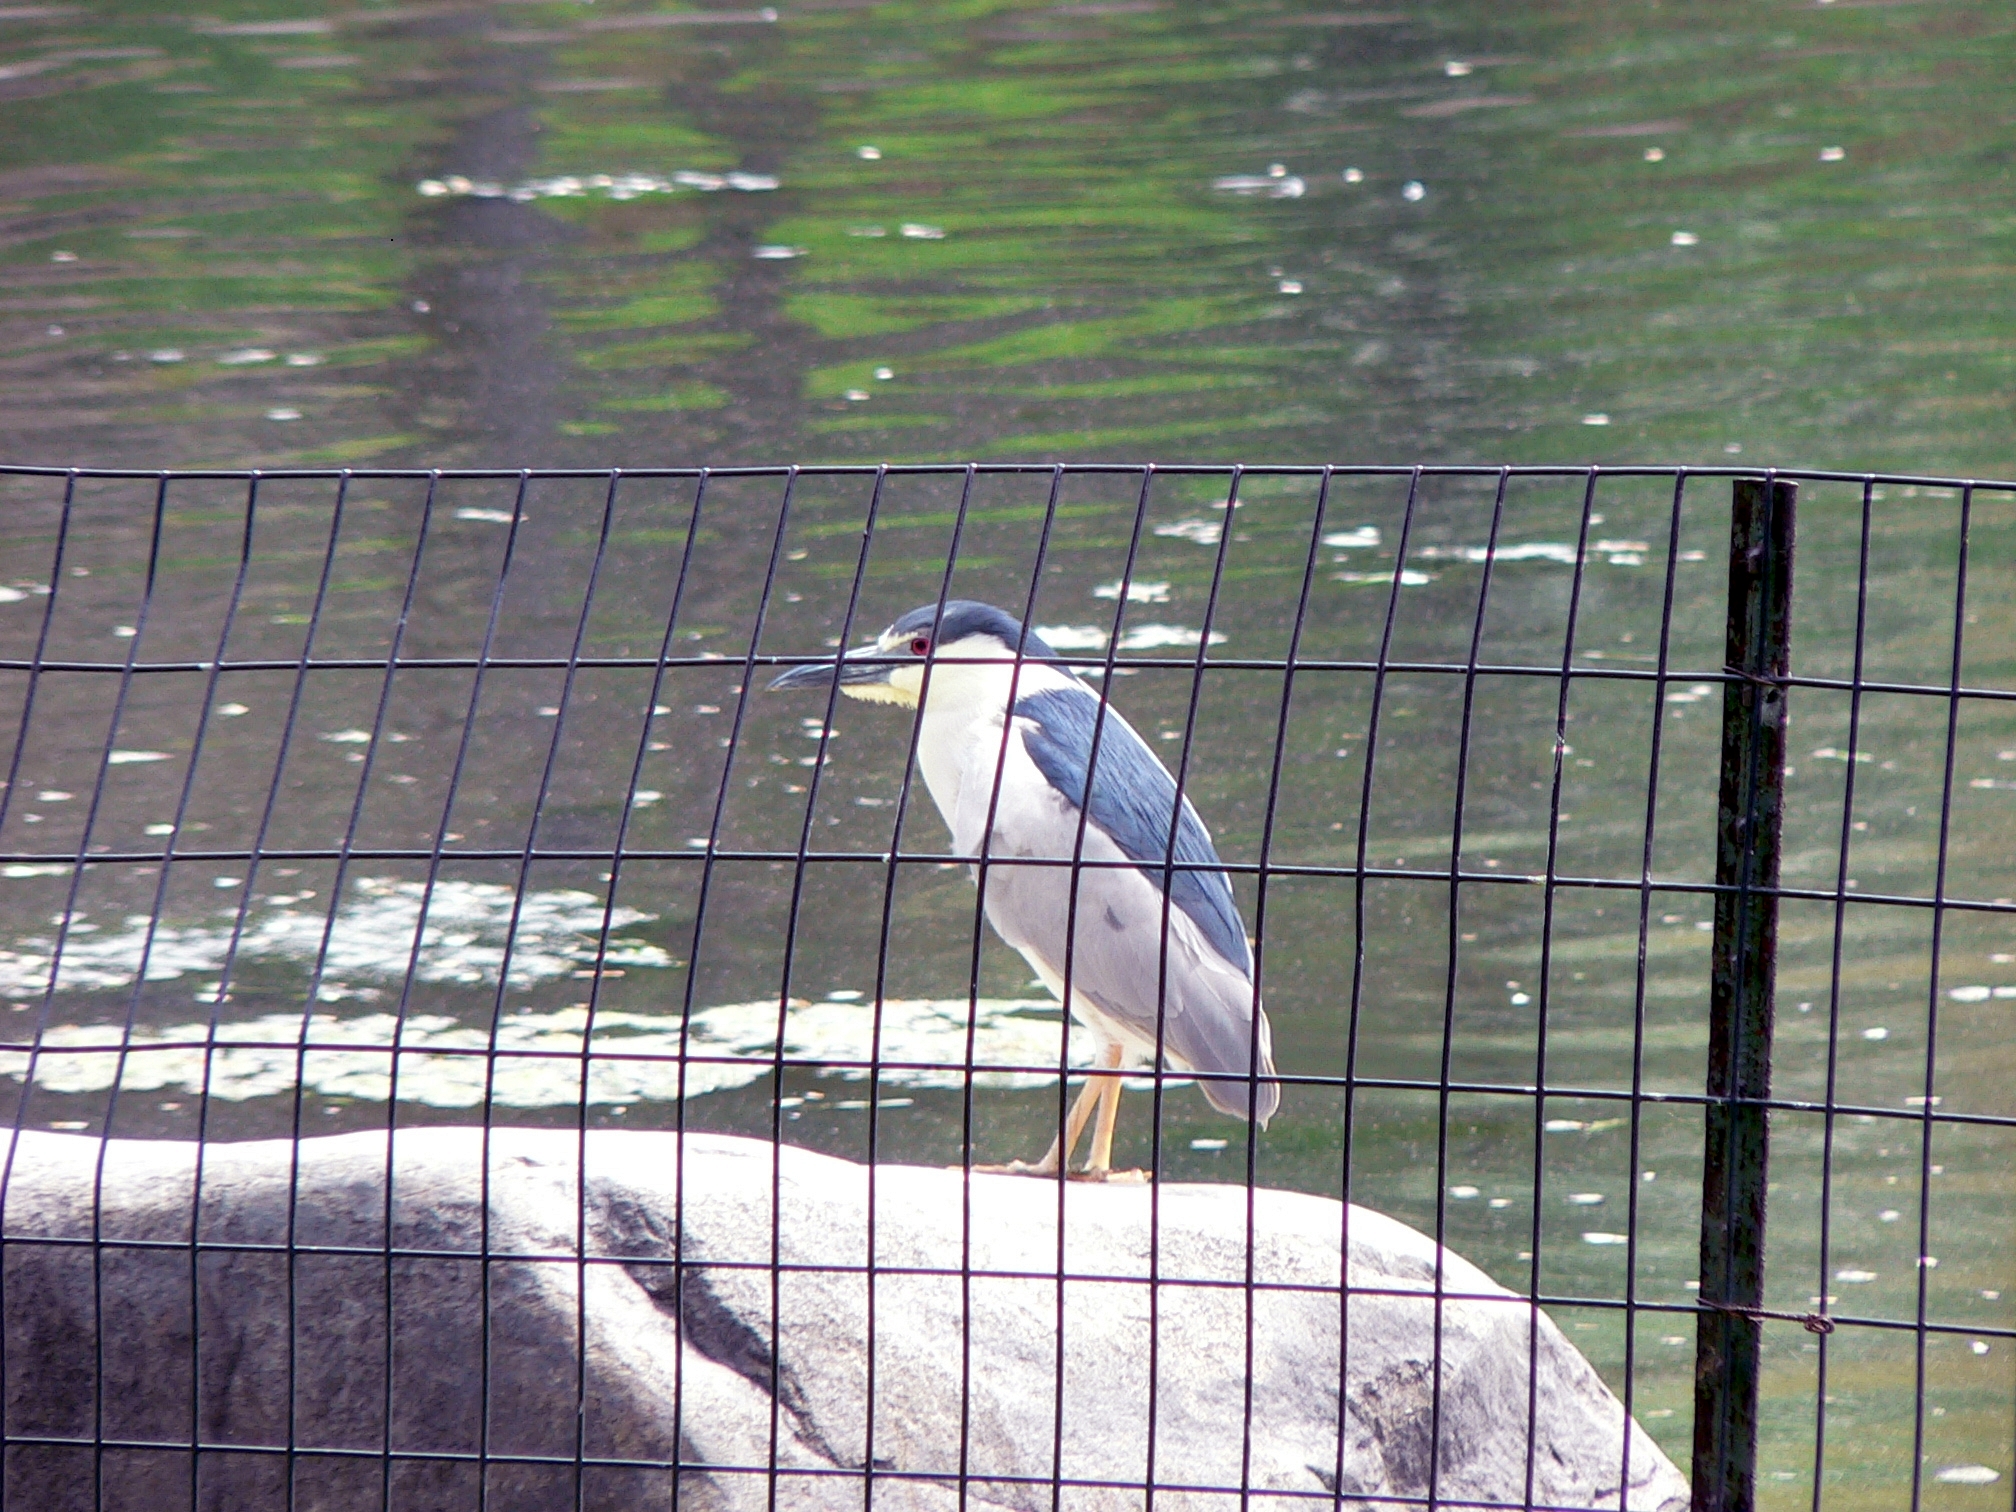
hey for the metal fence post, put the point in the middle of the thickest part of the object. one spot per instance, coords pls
(1729, 1344)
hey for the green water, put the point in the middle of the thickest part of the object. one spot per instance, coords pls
(237, 198)
(246, 182)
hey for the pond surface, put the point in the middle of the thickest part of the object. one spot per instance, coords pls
(572, 234)
(525, 234)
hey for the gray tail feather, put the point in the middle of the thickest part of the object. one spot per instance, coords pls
(1230, 1094)
(1218, 1035)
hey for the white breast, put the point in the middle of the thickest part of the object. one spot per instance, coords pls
(960, 750)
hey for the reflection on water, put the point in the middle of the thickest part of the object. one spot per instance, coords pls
(541, 234)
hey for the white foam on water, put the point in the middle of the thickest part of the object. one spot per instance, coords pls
(1068, 638)
(467, 929)
(1161, 637)
(1409, 578)
(617, 186)
(629, 1057)
(1072, 637)
(1137, 592)
(1203, 532)
(1364, 538)
(1274, 185)
(1980, 993)
(1618, 553)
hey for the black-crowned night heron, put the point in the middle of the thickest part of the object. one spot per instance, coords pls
(1018, 797)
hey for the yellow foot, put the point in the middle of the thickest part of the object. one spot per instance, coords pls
(1024, 1168)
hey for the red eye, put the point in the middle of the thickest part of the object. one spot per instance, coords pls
(920, 644)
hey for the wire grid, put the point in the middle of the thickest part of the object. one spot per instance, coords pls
(208, 617)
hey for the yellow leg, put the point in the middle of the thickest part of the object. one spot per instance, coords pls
(1101, 1088)
(1109, 1115)
(1062, 1146)
(1066, 1145)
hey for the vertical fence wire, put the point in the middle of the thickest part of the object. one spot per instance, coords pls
(1927, 1101)
(1458, 816)
(587, 1076)
(1319, 514)
(1736, 1102)
(32, 681)
(680, 1277)
(155, 915)
(1634, 1165)
(1071, 910)
(563, 708)
(63, 934)
(804, 843)
(261, 833)
(1837, 942)
(905, 788)
(1543, 998)
(1188, 745)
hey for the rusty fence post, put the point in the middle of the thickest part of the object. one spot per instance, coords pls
(1729, 1344)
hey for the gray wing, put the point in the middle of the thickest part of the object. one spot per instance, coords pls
(1188, 999)
(1133, 798)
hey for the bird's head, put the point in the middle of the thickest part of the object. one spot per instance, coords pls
(970, 647)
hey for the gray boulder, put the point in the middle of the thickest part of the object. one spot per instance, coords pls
(252, 1326)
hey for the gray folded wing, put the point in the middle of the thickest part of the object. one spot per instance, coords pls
(1170, 971)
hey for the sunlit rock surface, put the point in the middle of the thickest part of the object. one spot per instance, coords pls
(693, 1340)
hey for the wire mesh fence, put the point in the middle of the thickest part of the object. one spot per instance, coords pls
(1583, 865)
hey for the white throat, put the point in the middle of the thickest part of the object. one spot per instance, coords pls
(964, 706)
(970, 681)
(974, 680)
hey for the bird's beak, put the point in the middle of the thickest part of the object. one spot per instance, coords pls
(863, 666)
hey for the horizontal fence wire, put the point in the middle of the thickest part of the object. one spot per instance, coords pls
(455, 798)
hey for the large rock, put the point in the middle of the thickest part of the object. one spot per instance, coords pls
(728, 1308)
